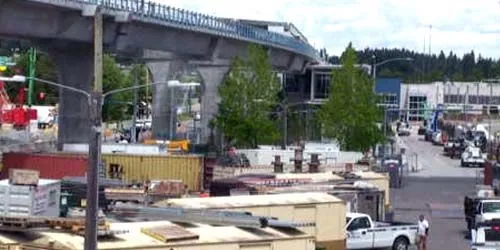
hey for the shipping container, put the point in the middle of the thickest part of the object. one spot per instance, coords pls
(324, 213)
(188, 168)
(20, 200)
(50, 166)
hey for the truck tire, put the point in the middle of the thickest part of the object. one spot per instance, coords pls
(400, 243)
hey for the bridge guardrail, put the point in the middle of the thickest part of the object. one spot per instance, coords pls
(189, 20)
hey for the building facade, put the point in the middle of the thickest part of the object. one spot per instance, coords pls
(389, 90)
(470, 97)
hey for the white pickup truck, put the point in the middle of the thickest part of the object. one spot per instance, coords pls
(363, 233)
(486, 236)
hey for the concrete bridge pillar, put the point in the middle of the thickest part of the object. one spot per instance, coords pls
(161, 111)
(75, 66)
(212, 77)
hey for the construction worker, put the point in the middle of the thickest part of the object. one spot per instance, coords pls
(423, 231)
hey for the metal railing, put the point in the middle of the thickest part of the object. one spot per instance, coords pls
(179, 18)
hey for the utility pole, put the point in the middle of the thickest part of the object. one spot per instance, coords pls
(133, 132)
(32, 72)
(91, 214)
(173, 112)
(285, 126)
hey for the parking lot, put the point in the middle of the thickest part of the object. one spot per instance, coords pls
(437, 191)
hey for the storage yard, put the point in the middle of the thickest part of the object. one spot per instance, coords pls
(187, 201)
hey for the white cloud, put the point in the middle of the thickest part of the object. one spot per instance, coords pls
(458, 25)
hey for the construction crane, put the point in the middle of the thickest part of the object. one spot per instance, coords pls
(15, 114)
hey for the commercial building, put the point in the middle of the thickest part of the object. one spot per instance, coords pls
(389, 89)
(470, 97)
(307, 90)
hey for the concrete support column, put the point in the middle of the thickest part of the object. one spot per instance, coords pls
(75, 65)
(161, 110)
(212, 76)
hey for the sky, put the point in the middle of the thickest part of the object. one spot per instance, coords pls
(457, 25)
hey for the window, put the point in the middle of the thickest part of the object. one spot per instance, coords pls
(388, 100)
(359, 223)
(491, 207)
(417, 108)
(321, 85)
(473, 99)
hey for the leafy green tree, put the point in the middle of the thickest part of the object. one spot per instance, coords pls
(248, 95)
(351, 113)
(115, 106)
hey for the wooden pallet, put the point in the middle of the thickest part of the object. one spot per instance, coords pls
(169, 233)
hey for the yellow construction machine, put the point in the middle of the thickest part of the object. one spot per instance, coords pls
(172, 146)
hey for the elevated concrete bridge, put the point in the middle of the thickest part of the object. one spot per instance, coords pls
(166, 38)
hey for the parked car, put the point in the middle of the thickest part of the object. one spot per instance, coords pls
(403, 129)
(363, 233)
(472, 157)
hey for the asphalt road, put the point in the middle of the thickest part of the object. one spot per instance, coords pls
(441, 201)
(432, 161)
(437, 191)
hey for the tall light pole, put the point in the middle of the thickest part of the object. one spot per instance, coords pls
(374, 75)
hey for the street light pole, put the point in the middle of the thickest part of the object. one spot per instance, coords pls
(133, 132)
(374, 75)
(91, 214)
(285, 126)
(173, 113)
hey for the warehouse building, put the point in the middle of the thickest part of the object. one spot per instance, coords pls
(471, 97)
